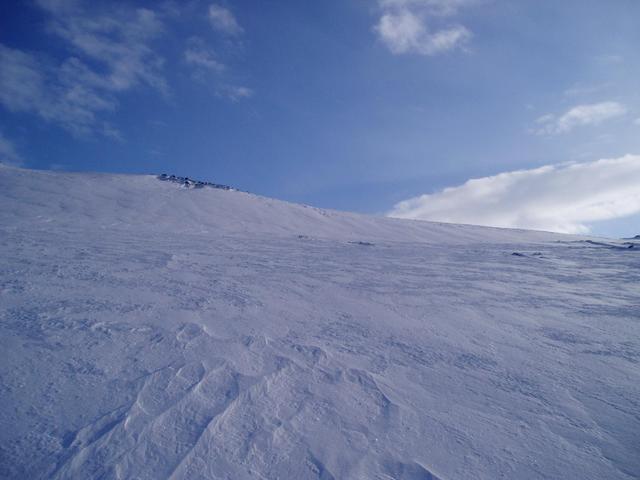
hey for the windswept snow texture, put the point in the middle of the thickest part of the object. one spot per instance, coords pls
(153, 331)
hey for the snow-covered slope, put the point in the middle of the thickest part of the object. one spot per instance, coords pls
(153, 331)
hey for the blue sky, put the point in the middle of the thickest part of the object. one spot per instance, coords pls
(370, 106)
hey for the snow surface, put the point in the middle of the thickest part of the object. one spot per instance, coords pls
(153, 331)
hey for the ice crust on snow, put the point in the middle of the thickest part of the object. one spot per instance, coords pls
(154, 331)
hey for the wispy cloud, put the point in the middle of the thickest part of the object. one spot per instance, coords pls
(404, 26)
(434, 7)
(202, 59)
(578, 116)
(21, 80)
(207, 66)
(581, 90)
(565, 198)
(8, 154)
(612, 58)
(235, 93)
(119, 39)
(222, 20)
(57, 94)
(636, 121)
(108, 53)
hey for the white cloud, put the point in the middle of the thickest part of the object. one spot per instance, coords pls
(578, 116)
(29, 85)
(201, 57)
(8, 154)
(565, 198)
(404, 26)
(433, 7)
(235, 93)
(21, 79)
(636, 121)
(119, 39)
(208, 70)
(72, 93)
(612, 58)
(223, 20)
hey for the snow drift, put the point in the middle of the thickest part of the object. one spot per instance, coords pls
(151, 330)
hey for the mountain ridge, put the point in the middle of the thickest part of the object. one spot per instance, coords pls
(101, 184)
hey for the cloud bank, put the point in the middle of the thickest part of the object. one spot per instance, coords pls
(404, 26)
(562, 198)
(579, 116)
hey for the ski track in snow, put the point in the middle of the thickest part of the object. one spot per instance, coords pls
(135, 353)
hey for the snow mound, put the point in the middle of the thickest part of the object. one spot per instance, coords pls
(149, 331)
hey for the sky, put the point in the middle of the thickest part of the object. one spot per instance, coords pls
(517, 114)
